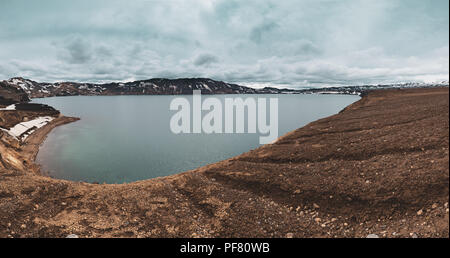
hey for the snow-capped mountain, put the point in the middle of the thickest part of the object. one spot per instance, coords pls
(183, 86)
(144, 87)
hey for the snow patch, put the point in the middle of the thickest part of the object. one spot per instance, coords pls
(22, 130)
(206, 87)
(10, 107)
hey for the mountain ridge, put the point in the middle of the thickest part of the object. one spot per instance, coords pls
(183, 86)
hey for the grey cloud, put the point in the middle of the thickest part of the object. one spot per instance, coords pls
(205, 60)
(78, 51)
(257, 34)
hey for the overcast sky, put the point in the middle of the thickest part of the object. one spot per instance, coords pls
(289, 43)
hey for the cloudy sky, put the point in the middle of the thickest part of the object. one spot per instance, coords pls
(288, 43)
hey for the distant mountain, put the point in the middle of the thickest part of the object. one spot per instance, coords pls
(181, 87)
(144, 87)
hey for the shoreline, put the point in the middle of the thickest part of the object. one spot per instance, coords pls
(380, 166)
(33, 142)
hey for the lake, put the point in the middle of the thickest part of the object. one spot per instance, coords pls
(128, 138)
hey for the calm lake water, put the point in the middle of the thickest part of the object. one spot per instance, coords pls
(128, 138)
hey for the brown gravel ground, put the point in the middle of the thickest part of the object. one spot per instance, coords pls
(381, 166)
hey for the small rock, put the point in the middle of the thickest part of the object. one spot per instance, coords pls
(446, 205)
(63, 204)
(413, 235)
(446, 210)
(372, 236)
(420, 212)
(367, 182)
(72, 236)
(290, 235)
(333, 219)
(316, 206)
(317, 220)
(434, 206)
(23, 226)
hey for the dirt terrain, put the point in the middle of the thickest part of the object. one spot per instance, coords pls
(381, 166)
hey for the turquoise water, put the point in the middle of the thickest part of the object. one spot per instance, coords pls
(128, 138)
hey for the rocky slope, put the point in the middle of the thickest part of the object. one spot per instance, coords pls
(381, 166)
(16, 109)
(10, 94)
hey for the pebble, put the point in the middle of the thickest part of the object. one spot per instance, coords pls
(372, 236)
(413, 235)
(72, 236)
(317, 220)
(316, 206)
(23, 226)
(420, 212)
(290, 235)
(434, 206)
